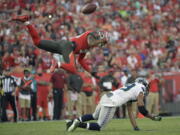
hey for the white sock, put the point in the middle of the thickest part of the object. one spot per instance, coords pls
(80, 119)
(59, 64)
(88, 125)
(27, 23)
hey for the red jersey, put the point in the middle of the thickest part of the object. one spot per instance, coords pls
(43, 90)
(58, 79)
(81, 42)
(81, 49)
(8, 62)
(153, 84)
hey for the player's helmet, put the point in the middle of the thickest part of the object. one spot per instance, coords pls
(101, 35)
(145, 83)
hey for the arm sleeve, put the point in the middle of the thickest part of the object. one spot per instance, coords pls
(143, 110)
(83, 62)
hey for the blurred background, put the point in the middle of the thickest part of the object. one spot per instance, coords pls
(144, 41)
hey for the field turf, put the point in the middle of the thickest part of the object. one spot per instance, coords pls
(168, 126)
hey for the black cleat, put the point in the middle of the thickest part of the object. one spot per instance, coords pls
(68, 124)
(74, 125)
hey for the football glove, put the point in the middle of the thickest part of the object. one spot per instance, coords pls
(157, 118)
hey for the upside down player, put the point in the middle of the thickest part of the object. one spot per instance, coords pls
(106, 108)
(68, 49)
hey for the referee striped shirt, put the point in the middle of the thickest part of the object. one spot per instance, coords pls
(8, 84)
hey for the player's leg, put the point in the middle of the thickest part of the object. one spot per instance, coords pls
(28, 109)
(22, 106)
(71, 67)
(79, 122)
(88, 117)
(149, 102)
(4, 105)
(13, 105)
(46, 45)
(69, 107)
(156, 104)
(44, 105)
(61, 47)
(34, 105)
(105, 114)
(56, 104)
(79, 104)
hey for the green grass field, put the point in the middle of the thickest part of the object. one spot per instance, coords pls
(168, 126)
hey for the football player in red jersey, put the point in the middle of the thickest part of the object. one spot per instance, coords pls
(67, 48)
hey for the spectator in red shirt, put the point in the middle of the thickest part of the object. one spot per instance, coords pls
(7, 61)
(43, 84)
(153, 97)
(58, 80)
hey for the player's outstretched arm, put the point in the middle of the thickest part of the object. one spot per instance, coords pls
(142, 109)
(132, 117)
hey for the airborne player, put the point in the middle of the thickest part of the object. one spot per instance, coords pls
(67, 48)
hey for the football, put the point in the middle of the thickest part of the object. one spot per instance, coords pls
(88, 8)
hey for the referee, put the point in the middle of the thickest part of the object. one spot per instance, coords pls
(8, 86)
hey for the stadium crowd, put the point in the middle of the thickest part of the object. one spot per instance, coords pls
(144, 38)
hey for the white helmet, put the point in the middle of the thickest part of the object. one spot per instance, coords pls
(145, 83)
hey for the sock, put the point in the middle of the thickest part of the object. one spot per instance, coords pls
(90, 126)
(34, 34)
(82, 125)
(86, 117)
(27, 23)
(94, 126)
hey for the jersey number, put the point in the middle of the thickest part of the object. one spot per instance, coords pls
(128, 87)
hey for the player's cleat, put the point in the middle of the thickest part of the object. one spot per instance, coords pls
(68, 124)
(136, 129)
(22, 18)
(74, 125)
(157, 118)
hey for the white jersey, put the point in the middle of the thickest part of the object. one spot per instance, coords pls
(122, 95)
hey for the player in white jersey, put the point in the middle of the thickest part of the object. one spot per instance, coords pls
(122, 95)
(106, 108)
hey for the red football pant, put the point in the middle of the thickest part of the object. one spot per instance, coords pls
(34, 34)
